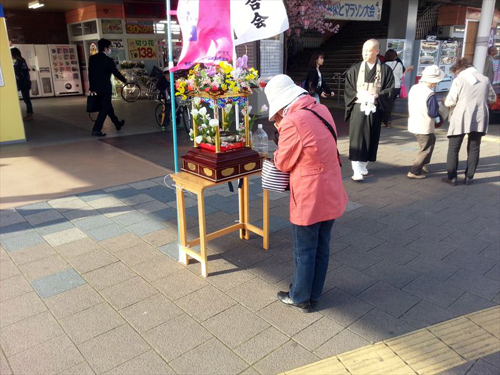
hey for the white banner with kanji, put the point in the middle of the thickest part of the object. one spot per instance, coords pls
(355, 10)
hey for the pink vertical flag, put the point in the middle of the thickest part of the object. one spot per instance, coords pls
(206, 32)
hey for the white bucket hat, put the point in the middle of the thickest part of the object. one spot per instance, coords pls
(280, 92)
(432, 74)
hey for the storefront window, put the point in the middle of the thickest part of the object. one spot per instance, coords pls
(76, 30)
(89, 27)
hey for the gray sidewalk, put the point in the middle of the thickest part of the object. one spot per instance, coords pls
(90, 283)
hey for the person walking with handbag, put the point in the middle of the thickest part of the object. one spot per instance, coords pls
(397, 70)
(307, 149)
(23, 80)
(101, 66)
(315, 83)
(468, 98)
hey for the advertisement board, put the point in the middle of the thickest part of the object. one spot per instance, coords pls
(353, 10)
(139, 27)
(111, 27)
(142, 49)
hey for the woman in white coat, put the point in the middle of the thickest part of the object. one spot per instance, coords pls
(468, 99)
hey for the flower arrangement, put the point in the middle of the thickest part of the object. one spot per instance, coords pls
(252, 118)
(219, 79)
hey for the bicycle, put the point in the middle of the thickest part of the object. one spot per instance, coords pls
(182, 113)
(135, 87)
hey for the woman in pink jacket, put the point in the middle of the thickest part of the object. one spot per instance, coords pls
(308, 150)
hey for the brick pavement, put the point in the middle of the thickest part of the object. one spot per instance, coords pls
(90, 283)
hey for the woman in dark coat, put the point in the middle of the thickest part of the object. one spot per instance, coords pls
(315, 83)
(23, 80)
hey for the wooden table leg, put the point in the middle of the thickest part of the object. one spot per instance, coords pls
(265, 219)
(246, 213)
(241, 202)
(203, 233)
(181, 212)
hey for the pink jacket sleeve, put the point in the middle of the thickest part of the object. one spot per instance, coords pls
(289, 147)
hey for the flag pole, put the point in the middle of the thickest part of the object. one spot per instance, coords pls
(172, 90)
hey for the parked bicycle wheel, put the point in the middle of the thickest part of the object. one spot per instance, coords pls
(159, 115)
(131, 92)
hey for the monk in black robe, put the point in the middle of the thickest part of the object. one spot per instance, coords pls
(368, 88)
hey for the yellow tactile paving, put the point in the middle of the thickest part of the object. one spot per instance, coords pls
(374, 359)
(427, 351)
(424, 352)
(488, 319)
(466, 338)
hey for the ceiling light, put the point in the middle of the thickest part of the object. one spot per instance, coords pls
(35, 5)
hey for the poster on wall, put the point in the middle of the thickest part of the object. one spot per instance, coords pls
(117, 51)
(111, 27)
(64, 63)
(139, 27)
(142, 49)
(428, 55)
(353, 10)
(397, 45)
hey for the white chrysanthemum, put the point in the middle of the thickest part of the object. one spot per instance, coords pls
(228, 108)
(199, 139)
(194, 113)
(197, 101)
(203, 111)
(214, 122)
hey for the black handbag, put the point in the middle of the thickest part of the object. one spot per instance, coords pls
(93, 104)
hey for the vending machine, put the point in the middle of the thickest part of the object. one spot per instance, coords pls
(447, 58)
(396, 44)
(43, 68)
(65, 69)
(425, 53)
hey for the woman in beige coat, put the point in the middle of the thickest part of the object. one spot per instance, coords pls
(468, 98)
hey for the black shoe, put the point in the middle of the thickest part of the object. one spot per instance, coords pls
(284, 297)
(98, 134)
(313, 303)
(452, 182)
(120, 125)
(468, 181)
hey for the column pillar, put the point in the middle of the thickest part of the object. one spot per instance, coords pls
(483, 34)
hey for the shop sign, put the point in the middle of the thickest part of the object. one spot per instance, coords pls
(354, 10)
(142, 49)
(111, 26)
(116, 44)
(139, 27)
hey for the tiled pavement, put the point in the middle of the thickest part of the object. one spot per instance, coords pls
(90, 283)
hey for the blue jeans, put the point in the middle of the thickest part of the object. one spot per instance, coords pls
(311, 253)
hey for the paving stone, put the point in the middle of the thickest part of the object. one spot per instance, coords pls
(145, 227)
(355, 258)
(8, 269)
(122, 242)
(156, 268)
(395, 253)
(44, 267)
(14, 230)
(246, 255)
(124, 192)
(317, 333)
(77, 248)
(109, 275)
(43, 217)
(80, 369)
(160, 237)
(92, 195)
(171, 250)
(67, 203)
(492, 252)
(107, 202)
(10, 217)
(91, 322)
(289, 356)
(205, 303)
(272, 269)
(340, 343)
(211, 357)
(65, 236)
(261, 345)
(494, 273)
(432, 248)
(34, 208)
(138, 254)
(288, 320)
(180, 284)
(483, 368)
(193, 211)
(91, 261)
(22, 241)
(276, 224)
(29, 332)
(361, 241)
(397, 276)
(469, 303)
(348, 279)
(137, 199)
(225, 275)
(13, 287)
(50, 357)
(366, 226)
(107, 351)
(493, 359)
(475, 284)
(147, 363)
(32, 254)
(425, 314)
(461, 241)
(341, 307)
(433, 268)
(376, 326)
(397, 236)
(73, 301)
(235, 325)
(177, 336)
(4, 365)
(254, 294)
(472, 262)
(117, 210)
(80, 213)
(128, 292)
(224, 244)
(163, 214)
(93, 222)
(19, 308)
(104, 233)
(389, 299)
(56, 283)
(434, 291)
(53, 226)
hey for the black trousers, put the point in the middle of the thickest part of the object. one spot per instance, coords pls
(106, 110)
(473, 145)
(388, 111)
(426, 143)
(26, 97)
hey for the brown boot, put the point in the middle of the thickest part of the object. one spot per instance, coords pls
(29, 117)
